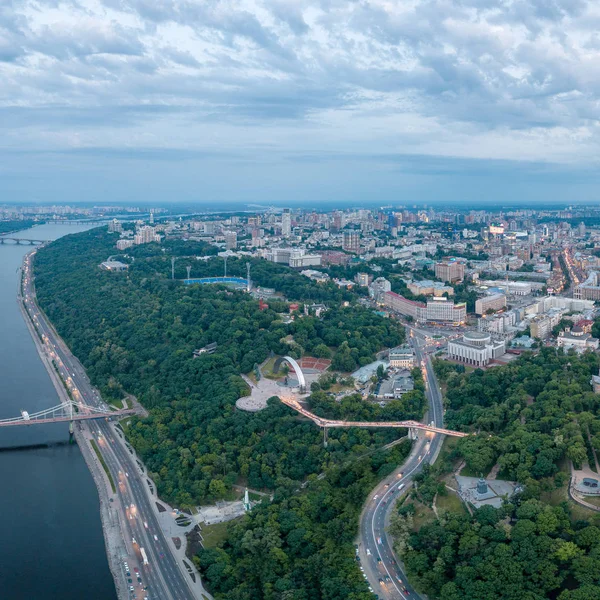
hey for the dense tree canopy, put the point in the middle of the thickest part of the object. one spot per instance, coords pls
(531, 551)
(536, 410)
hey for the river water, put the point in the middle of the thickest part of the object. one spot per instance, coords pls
(51, 542)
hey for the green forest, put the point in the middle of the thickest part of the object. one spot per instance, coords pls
(538, 410)
(532, 416)
(18, 225)
(135, 332)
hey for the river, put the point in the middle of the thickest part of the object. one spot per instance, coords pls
(51, 542)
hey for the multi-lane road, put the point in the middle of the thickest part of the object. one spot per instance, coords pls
(162, 578)
(377, 559)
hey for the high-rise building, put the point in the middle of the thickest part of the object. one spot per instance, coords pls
(115, 226)
(450, 271)
(230, 240)
(145, 235)
(351, 241)
(286, 223)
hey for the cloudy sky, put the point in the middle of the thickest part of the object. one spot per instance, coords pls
(320, 100)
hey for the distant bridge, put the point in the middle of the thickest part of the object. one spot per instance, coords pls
(67, 412)
(14, 240)
(327, 423)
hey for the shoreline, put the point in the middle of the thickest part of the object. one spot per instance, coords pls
(113, 529)
(100, 480)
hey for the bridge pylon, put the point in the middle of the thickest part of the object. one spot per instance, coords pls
(71, 431)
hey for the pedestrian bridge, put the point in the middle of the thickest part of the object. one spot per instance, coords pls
(67, 412)
(327, 423)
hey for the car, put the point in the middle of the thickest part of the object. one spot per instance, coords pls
(380, 581)
(368, 552)
(155, 539)
(387, 579)
(379, 559)
(357, 558)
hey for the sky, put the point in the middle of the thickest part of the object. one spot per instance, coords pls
(398, 101)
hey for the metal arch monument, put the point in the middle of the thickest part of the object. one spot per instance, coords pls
(297, 370)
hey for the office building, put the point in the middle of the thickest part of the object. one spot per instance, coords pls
(445, 311)
(450, 271)
(492, 302)
(299, 260)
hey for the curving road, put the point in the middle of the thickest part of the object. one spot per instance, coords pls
(163, 576)
(378, 562)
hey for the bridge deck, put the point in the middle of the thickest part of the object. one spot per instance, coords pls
(321, 422)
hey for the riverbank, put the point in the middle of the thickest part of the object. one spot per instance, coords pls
(120, 538)
(113, 535)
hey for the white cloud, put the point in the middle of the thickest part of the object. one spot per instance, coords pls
(516, 80)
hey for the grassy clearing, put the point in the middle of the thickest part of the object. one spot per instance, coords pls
(450, 503)
(267, 369)
(423, 515)
(595, 500)
(561, 494)
(104, 465)
(213, 535)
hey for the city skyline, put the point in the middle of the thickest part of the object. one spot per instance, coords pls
(286, 101)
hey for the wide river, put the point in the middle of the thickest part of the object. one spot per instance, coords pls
(51, 543)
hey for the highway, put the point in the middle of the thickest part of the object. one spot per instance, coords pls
(164, 578)
(378, 562)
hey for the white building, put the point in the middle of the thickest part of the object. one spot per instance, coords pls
(299, 261)
(403, 356)
(379, 287)
(443, 310)
(286, 223)
(577, 339)
(476, 348)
